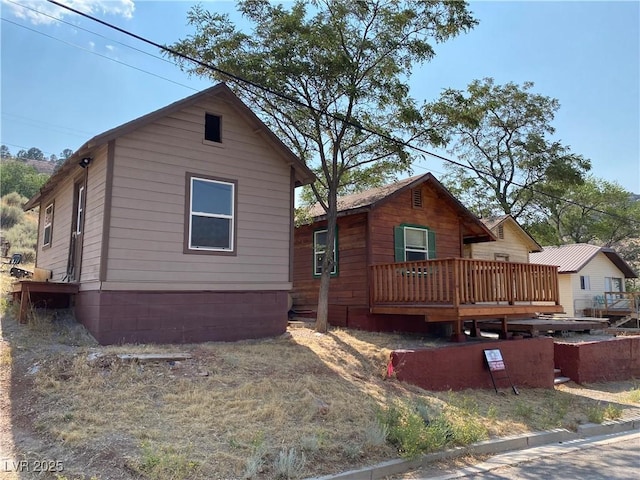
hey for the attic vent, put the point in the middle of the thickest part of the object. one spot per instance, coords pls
(501, 232)
(417, 198)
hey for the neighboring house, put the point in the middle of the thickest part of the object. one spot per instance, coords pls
(585, 273)
(513, 243)
(399, 263)
(176, 226)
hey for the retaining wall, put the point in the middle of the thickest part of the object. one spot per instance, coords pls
(529, 363)
(603, 361)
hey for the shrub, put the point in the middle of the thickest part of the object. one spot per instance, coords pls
(24, 238)
(10, 215)
(14, 199)
(289, 464)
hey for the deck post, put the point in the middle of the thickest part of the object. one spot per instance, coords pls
(456, 283)
(504, 334)
(475, 331)
(458, 335)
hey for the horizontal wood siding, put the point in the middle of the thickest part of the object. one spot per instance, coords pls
(513, 244)
(597, 269)
(55, 258)
(94, 214)
(349, 287)
(148, 204)
(435, 214)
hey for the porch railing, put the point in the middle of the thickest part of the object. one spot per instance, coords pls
(461, 281)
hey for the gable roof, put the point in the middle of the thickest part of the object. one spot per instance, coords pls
(368, 199)
(572, 258)
(303, 174)
(494, 222)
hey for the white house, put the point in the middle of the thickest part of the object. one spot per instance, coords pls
(585, 273)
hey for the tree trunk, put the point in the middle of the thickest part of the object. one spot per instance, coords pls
(322, 319)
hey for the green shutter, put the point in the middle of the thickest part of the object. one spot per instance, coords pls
(432, 244)
(398, 234)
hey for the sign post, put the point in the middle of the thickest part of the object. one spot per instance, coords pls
(496, 365)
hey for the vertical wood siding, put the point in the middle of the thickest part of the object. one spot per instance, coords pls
(148, 204)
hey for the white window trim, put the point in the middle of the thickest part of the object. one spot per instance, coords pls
(48, 225)
(586, 283)
(80, 212)
(317, 269)
(425, 232)
(213, 215)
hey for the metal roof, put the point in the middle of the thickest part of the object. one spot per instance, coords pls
(572, 258)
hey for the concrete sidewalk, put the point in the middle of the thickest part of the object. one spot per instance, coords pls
(509, 444)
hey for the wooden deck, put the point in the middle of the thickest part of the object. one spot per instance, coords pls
(458, 289)
(535, 326)
(28, 292)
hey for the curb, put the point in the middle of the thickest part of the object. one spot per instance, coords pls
(517, 442)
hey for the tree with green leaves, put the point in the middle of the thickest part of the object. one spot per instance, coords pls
(33, 153)
(5, 152)
(596, 211)
(344, 68)
(17, 176)
(501, 134)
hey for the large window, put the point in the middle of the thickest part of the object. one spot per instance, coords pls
(48, 226)
(414, 243)
(320, 249)
(212, 214)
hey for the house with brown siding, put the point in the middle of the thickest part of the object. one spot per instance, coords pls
(400, 266)
(176, 226)
(513, 243)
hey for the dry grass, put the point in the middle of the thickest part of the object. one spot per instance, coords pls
(300, 405)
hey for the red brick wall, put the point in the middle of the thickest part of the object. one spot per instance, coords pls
(615, 359)
(181, 317)
(529, 363)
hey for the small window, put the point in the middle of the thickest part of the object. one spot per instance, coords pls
(501, 257)
(414, 243)
(320, 249)
(585, 284)
(211, 214)
(48, 226)
(416, 196)
(213, 128)
(501, 232)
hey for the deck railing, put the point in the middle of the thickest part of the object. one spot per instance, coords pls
(461, 281)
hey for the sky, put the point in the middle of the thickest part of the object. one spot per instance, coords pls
(65, 79)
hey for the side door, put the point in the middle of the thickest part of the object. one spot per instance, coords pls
(77, 230)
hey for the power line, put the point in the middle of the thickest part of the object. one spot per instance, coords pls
(91, 31)
(96, 53)
(322, 112)
(34, 122)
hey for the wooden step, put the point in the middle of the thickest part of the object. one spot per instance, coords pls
(559, 380)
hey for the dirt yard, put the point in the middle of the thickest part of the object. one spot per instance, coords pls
(300, 405)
